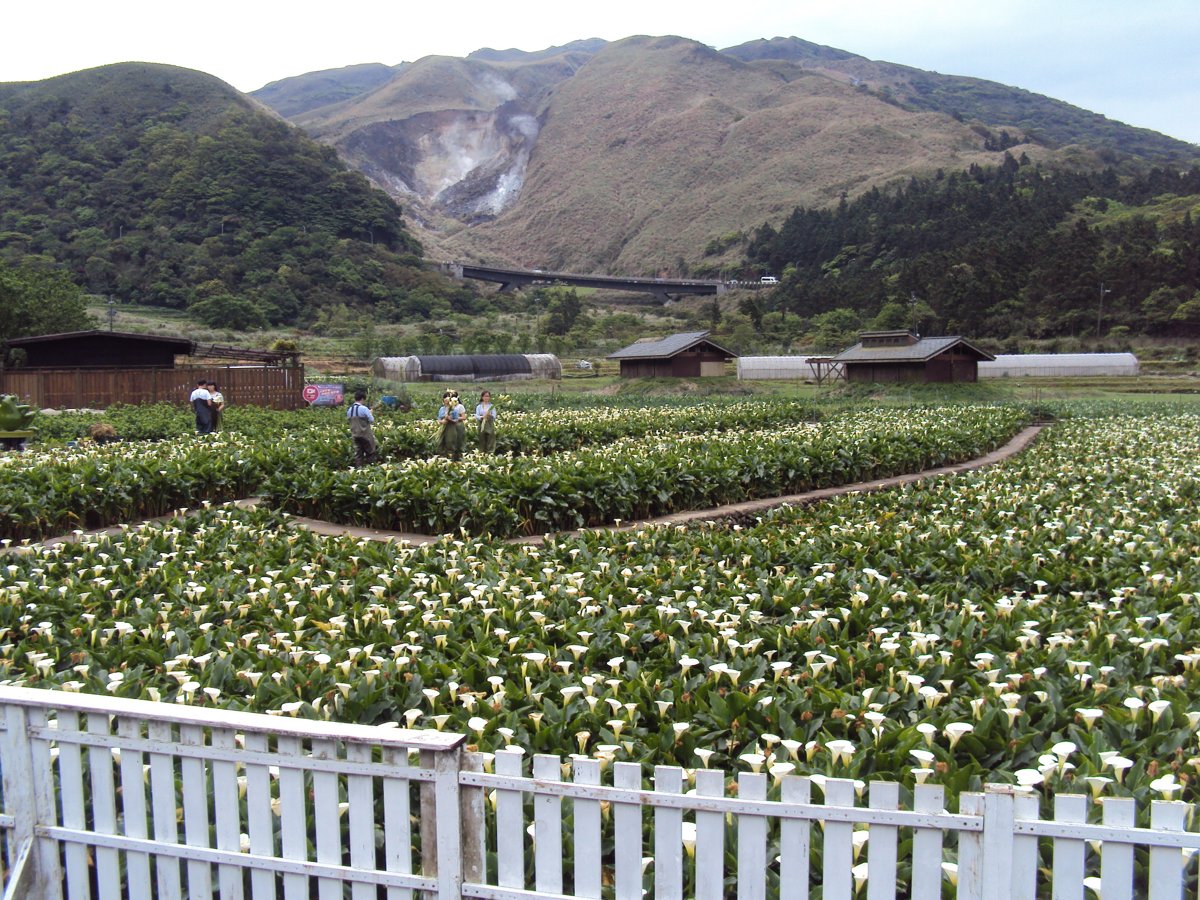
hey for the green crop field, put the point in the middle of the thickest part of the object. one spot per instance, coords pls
(1033, 622)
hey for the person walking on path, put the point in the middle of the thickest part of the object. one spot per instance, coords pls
(361, 434)
(485, 417)
(218, 404)
(201, 401)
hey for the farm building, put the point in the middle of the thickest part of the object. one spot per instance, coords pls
(462, 367)
(1063, 365)
(887, 356)
(95, 369)
(687, 355)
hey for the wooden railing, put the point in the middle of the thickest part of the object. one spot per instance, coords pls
(121, 798)
(278, 387)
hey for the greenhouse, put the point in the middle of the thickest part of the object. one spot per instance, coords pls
(479, 367)
(1062, 365)
(782, 368)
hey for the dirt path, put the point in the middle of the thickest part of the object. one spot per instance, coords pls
(732, 511)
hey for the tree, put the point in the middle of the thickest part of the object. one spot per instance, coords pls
(750, 307)
(34, 302)
(1187, 316)
(562, 307)
(228, 311)
(836, 329)
(713, 311)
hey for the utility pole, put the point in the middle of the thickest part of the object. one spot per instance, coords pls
(1100, 309)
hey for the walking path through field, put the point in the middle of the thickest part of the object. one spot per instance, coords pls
(732, 511)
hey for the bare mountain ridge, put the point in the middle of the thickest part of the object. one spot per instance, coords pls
(448, 136)
(1048, 121)
(295, 96)
(634, 156)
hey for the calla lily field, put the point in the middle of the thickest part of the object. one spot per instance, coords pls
(1036, 622)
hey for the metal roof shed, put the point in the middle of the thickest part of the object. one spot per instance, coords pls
(689, 354)
(886, 356)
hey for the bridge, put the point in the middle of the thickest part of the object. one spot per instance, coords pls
(664, 289)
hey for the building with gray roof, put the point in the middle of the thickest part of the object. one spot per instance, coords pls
(885, 356)
(690, 354)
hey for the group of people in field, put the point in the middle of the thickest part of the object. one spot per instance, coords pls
(207, 403)
(452, 427)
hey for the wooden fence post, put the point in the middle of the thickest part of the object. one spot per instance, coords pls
(970, 850)
(35, 869)
(473, 816)
(547, 828)
(837, 861)
(446, 765)
(927, 844)
(627, 834)
(883, 842)
(1167, 864)
(1116, 860)
(997, 841)
(1069, 856)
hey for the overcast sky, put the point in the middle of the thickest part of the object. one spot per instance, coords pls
(1137, 61)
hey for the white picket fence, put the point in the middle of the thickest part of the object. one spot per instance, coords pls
(105, 797)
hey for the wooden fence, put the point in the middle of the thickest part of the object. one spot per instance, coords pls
(278, 387)
(122, 798)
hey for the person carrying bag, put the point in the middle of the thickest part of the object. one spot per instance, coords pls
(361, 434)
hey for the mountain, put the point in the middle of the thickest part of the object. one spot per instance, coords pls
(588, 46)
(1042, 119)
(1005, 252)
(451, 136)
(164, 186)
(632, 157)
(303, 93)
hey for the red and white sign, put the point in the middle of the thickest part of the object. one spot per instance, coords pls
(324, 394)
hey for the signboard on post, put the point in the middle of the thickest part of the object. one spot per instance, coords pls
(324, 394)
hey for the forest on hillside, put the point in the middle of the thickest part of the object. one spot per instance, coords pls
(243, 222)
(1004, 252)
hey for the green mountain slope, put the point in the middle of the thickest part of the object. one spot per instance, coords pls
(1010, 251)
(293, 96)
(1042, 119)
(167, 187)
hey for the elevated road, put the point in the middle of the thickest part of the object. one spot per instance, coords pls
(515, 279)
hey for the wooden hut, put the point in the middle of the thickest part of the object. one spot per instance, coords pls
(95, 369)
(887, 356)
(687, 355)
